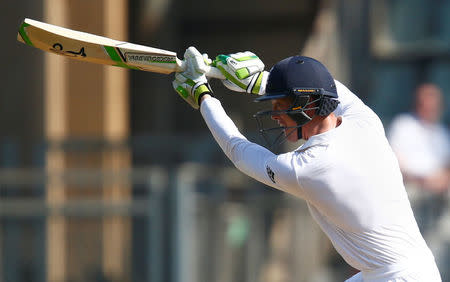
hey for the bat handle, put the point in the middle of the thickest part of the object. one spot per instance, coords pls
(211, 72)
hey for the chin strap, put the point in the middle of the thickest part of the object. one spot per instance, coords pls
(301, 119)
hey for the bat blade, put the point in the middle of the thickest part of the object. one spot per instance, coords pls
(100, 50)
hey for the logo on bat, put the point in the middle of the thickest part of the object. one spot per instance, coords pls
(148, 58)
(59, 49)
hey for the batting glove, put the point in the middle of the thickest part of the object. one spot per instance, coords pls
(244, 72)
(192, 84)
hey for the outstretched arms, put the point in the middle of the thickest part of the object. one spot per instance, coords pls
(252, 159)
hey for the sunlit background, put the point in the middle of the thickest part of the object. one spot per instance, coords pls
(107, 175)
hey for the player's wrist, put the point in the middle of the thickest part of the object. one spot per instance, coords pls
(204, 97)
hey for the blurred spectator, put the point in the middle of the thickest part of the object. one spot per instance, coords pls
(422, 143)
(422, 146)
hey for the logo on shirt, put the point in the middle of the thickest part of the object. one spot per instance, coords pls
(270, 173)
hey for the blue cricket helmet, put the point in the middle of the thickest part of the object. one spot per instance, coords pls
(298, 72)
(307, 81)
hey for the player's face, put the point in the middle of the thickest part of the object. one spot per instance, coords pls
(428, 103)
(283, 119)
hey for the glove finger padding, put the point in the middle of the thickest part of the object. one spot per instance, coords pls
(245, 64)
(230, 85)
(206, 59)
(241, 65)
(191, 91)
(244, 70)
(258, 83)
(192, 83)
(196, 62)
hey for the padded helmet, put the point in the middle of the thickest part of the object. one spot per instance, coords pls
(306, 81)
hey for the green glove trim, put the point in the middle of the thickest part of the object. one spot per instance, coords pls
(257, 86)
(200, 90)
(246, 58)
(242, 73)
(183, 92)
(231, 78)
(190, 82)
(222, 58)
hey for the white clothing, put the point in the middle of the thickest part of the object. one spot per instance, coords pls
(422, 148)
(349, 178)
(399, 273)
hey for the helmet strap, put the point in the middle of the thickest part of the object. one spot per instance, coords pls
(300, 118)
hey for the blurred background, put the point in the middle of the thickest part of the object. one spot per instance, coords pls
(107, 175)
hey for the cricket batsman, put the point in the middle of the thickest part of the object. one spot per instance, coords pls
(345, 171)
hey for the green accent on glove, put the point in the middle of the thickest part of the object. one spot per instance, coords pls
(183, 92)
(222, 58)
(190, 82)
(201, 90)
(242, 73)
(257, 86)
(232, 78)
(246, 58)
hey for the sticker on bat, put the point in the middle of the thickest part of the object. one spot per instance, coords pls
(59, 49)
(149, 58)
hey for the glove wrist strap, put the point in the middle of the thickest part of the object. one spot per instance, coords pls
(201, 89)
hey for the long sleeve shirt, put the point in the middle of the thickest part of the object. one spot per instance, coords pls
(348, 176)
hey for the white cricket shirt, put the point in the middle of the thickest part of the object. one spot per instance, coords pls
(422, 148)
(349, 178)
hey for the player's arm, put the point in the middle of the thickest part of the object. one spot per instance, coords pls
(252, 159)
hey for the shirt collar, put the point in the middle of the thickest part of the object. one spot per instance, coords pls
(322, 138)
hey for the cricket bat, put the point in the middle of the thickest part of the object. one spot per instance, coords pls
(101, 50)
